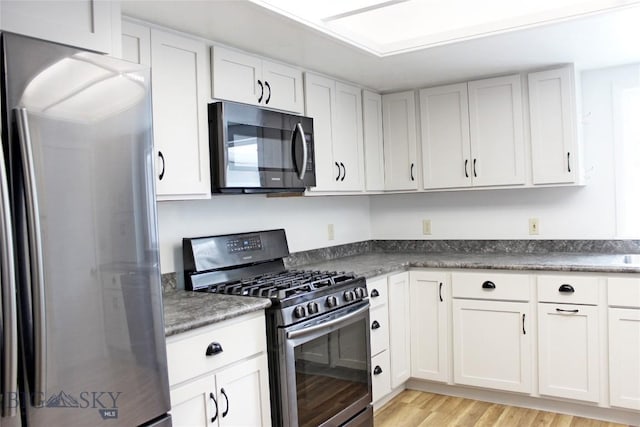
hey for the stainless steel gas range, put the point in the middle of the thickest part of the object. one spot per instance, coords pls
(317, 326)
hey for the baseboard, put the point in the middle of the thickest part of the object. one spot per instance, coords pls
(387, 397)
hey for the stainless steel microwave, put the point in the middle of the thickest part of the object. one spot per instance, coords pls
(254, 150)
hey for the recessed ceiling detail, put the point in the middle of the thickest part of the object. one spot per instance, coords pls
(390, 27)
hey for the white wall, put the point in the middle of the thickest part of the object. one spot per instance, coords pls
(587, 212)
(305, 220)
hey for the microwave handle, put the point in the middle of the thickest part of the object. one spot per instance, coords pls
(299, 129)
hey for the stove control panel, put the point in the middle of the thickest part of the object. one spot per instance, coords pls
(313, 307)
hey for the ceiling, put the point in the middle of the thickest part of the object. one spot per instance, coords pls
(589, 41)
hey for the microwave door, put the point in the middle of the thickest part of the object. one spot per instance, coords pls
(243, 148)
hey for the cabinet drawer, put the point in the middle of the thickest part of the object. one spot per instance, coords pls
(489, 285)
(239, 338)
(380, 286)
(624, 291)
(379, 323)
(380, 379)
(568, 289)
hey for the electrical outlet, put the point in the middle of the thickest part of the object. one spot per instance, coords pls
(331, 233)
(426, 227)
(534, 226)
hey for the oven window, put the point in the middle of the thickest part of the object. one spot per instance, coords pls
(332, 372)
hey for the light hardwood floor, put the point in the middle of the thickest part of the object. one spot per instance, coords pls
(415, 408)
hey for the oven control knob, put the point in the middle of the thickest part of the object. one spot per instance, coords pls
(299, 312)
(349, 296)
(331, 301)
(312, 308)
(360, 292)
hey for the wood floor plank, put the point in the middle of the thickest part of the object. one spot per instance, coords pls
(418, 409)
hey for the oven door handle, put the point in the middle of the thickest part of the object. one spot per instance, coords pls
(340, 320)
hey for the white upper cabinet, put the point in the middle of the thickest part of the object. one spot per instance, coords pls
(249, 79)
(554, 141)
(87, 24)
(180, 95)
(136, 43)
(446, 153)
(373, 141)
(496, 131)
(336, 109)
(400, 141)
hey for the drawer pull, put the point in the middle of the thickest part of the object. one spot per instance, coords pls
(375, 293)
(212, 397)
(488, 285)
(567, 311)
(566, 289)
(377, 370)
(375, 325)
(213, 349)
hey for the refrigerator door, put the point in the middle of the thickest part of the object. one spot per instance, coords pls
(90, 299)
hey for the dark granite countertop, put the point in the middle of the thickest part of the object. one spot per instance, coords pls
(378, 263)
(184, 310)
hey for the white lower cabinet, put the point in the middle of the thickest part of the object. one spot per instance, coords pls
(492, 344)
(227, 387)
(380, 380)
(399, 329)
(430, 309)
(568, 351)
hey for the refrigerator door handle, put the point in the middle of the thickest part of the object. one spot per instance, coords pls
(35, 254)
(9, 316)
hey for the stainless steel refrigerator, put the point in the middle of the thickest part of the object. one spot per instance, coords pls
(82, 334)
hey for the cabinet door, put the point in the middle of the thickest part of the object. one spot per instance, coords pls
(553, 126)
(347, 137)
(496, 131)
(180, 128)
(320, 104)
(430, 308)
(492, 344)
(194, 403)
(400, 141)
(373, 141)
(444, 117)
(380, 381)
(624, 358)
(568, 351)
(283, 87)
(399, 329)
(235, 76)
(86, 24)
(136, 43)
(243, 394)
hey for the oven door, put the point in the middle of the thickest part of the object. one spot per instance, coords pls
(327, 378)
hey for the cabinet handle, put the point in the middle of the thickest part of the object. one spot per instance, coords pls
(375, 293)
(440, 292)
(377, 370)
(261, 91)
(375, 325)
(212, 397)
(266, 83)
(412, 178)
(161, 158)
(338, 166)
(213, 349)
(566, 289)
(226, 411)
(344, 171)
(488, 285)
(524, 332)
(466, 172)
(475, 175)
(560, 310)
(568, 161)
